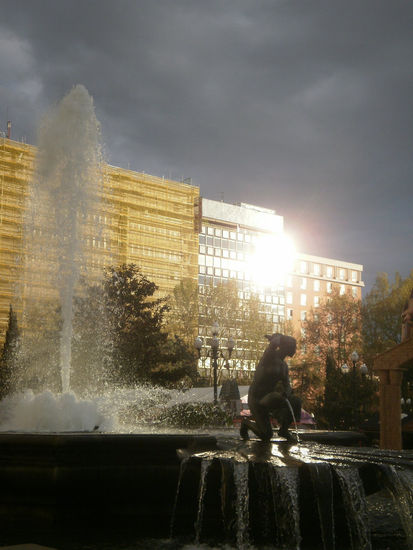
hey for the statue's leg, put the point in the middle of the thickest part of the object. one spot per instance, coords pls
(285, 416)
(261, 425)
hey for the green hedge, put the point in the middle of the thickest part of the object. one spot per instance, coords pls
(195, 415)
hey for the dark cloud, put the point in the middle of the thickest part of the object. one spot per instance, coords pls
(304, 107)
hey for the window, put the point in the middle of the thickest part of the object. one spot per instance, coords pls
(316, 269)
(303, 267)
(342, 289)
(316, 286)
(225, 234)
(303, 299)
(303, 316)
(342, 274)
(210, 230)
(303, 283)
(329, 288)
(329, 271)
(354, 291)
(232, 235)
(354, 277)
(289, 297)
(316, 301)
(289, 313)
(218, 232)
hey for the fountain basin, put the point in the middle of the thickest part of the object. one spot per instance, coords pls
(201, 488)
(63, 482)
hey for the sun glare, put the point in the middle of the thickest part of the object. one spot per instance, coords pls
(272, 260)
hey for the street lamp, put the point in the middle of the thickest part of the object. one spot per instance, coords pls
(214, 353)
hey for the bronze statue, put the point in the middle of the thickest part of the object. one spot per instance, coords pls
(270, 392)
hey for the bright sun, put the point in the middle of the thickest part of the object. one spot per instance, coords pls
(272, 260)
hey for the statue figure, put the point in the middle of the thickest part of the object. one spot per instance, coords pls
(270, 392)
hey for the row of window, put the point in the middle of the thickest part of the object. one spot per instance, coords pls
(221, 252)
(330, 271)
(316, 299)
(239, 235)
(315, 285)
(215, 246)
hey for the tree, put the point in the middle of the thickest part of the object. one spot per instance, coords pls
(121, 326)
(331, 331)
(183, 317)
(241, 319)
(382, 309)
(334, 328)
(8, 356)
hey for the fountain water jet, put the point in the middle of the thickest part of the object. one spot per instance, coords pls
(65, 192)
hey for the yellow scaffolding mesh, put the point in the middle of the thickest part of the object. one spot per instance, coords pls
(146, 220)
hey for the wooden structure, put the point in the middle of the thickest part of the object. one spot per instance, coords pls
(390, 366)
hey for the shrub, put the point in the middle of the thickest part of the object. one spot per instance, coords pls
(195, 415)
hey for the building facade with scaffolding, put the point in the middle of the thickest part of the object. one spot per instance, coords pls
(142, 219)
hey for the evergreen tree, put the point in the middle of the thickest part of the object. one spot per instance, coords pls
(120, 333)
(8, 357)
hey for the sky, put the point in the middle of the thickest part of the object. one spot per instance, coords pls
(301, 106)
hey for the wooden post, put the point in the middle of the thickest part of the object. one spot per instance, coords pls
(389, 367)
(390, 410)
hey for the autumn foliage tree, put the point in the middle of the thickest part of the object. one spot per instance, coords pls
(331, 332)
(382, 308)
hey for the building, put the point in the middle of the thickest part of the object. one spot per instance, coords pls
(312, 279)
(230, 242)
(146, 220)
(165, 228)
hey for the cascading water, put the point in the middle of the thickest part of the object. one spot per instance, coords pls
(292, 497)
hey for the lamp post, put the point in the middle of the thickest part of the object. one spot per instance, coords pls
(214, 352)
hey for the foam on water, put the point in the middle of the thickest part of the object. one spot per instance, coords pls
(48, 412)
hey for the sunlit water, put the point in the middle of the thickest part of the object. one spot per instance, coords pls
(63, 196)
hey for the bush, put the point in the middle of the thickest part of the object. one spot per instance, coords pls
(195, 415)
